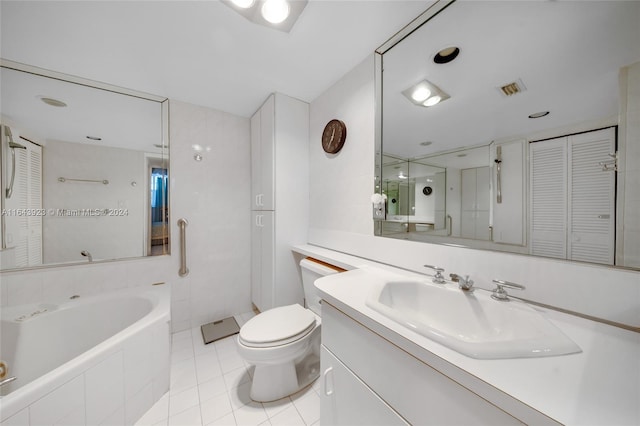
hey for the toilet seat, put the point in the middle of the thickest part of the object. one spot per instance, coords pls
(278, 326)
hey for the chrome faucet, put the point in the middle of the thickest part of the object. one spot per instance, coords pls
(438, 277)
(465, 283)
(86, 254)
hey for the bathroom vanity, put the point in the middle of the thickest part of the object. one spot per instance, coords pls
(376, 371)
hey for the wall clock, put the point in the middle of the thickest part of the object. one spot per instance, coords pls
(333, 136)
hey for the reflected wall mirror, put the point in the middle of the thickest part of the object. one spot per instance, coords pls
(522, 119)
(84, 168)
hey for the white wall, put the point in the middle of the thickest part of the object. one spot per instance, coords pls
(341, 188)
(340, 185)
(213, 195)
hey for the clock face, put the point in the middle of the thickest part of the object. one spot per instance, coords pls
(333, 136)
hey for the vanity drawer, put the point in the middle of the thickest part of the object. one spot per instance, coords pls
(419, 393)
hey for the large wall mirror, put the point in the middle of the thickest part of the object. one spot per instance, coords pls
(514, 126)
(84, 169)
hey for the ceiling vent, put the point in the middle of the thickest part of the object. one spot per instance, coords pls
(512, 88)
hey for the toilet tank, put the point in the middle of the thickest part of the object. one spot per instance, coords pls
(312, 270)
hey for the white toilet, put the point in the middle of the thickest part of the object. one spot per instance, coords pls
(284, 342)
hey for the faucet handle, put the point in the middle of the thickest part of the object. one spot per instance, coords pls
(499, 293)
(438, 277)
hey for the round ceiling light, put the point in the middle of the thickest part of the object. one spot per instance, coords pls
(446, 55)
(244, 4)
(275, 11)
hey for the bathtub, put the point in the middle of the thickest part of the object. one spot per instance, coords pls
(86, 360)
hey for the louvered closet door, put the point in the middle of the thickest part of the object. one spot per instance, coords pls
(548, 192)
(592, 202)
(34, 200)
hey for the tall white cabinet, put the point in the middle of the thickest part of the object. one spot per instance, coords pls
(280, 199)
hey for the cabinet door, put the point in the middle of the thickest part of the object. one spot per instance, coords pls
(262, 157)
(346, 400)
(592, 192)
(262, 259)
(256, 161)
(267, 147)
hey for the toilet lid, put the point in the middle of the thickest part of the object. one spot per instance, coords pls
(277, 326)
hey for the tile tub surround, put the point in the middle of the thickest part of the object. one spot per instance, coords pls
(210, 386)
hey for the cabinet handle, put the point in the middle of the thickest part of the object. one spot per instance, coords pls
(328, 374)
(259, 220)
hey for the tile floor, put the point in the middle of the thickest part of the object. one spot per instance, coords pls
(210, 386)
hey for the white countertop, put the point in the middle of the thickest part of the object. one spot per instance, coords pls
(600, 385)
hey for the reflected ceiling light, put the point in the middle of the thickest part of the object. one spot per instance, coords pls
(275, 11)
(426, 94)
(277, 14)
(401, 175)
(446, 55)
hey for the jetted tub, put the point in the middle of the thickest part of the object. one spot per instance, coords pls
(87, 360)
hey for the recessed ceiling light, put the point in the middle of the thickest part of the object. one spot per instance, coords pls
(539, 114)
(53, 102)
(426, 143)
(94, 138)
(275, 11)
(461, 155)
(446, 55)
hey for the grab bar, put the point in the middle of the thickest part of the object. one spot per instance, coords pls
(103, 181)
(498, 162)
(7, 381)
(184, 271)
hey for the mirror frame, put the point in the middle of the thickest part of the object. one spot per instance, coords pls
(431, 12)
(164, 111)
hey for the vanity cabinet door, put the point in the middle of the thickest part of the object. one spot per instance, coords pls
(346, 400)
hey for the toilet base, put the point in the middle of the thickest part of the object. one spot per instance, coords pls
(272, 382)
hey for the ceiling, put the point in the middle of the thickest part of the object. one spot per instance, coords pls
(201, 52)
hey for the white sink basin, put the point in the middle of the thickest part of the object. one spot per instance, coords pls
(473, 324)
